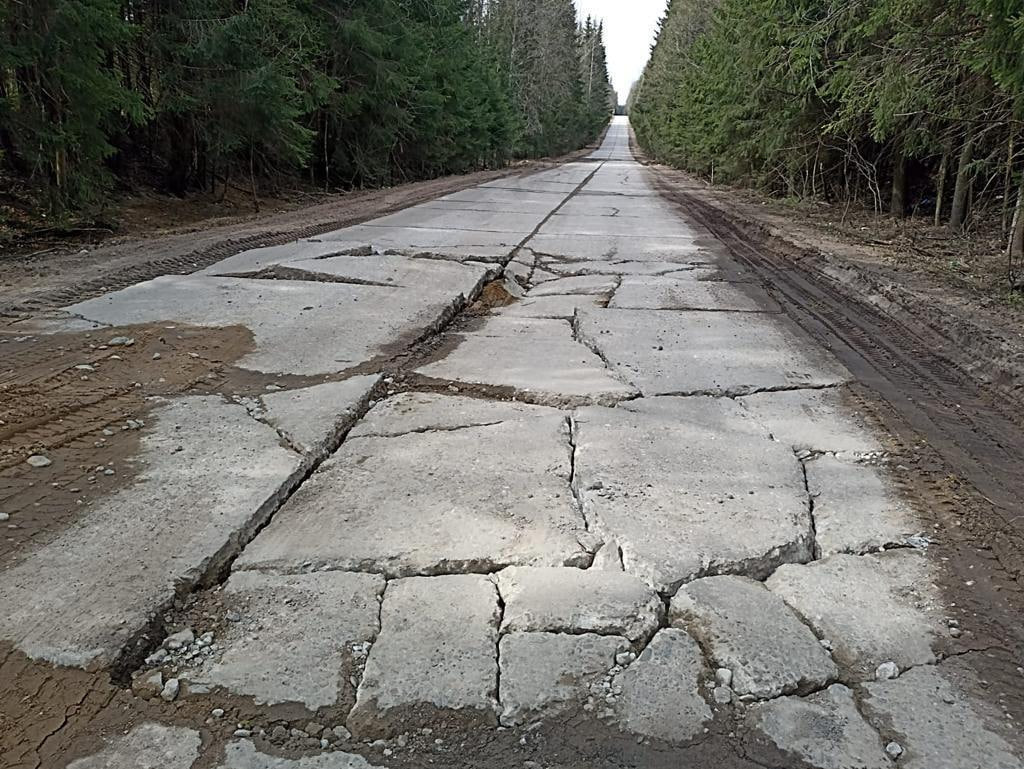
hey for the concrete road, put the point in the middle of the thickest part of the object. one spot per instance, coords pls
(618, 512)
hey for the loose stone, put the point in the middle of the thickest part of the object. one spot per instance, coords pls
(886, 670)
(170, 690)
(39, 461)
(894, 749)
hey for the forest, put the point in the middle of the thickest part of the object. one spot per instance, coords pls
(200, 95)
(912, 107)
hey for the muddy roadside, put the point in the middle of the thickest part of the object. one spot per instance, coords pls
(48, 276)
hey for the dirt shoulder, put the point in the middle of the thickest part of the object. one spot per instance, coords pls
(46, 278)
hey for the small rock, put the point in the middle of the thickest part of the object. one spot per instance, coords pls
(826, 644)
(38, 460)
(205, 639)
(233, 616)
(313, 729)
(886, 671)
(179, 640)
(217, 712)
(149, 685)
(85, 367)
(722, 695)
(108, 471)
(723, 677)
(324, 743)
(402, 740)
(242, 733)
(107, 431)
(624, 658)
(894, 749)
(121, 341)
(156, 657)
(298, 734)
(279, 733)
(5, 516)
(342, 733)
(157, 356)
(170, 691)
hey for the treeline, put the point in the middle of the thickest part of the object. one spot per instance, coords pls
(205, 94)
(908, 105)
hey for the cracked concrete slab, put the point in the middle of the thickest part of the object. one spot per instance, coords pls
(415, 412)
(751, 632)
(434, 218)
(856, 508)
(689, 487)
(511, 199)
(459, 245)
(939, 723)
(294, 640)
(871, 608)
(631, 267)
(658, 293)
(581, 284)
(256, 259)
(287, 318)
(311, 418)
(824, 730)
(434, 658)
(813, 420)
(560, 306)
(78, 600)
(661, 691)
(661, 227)
(147, 746)
(243, 754)
(474, 499)
(546, 674)
(578, 246)
(721, 353)
(559, 600)
(538, 358)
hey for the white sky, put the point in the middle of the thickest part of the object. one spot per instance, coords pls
(629, 27)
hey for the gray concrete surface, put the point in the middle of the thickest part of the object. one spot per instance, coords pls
(577, 601)
(207, 476)
(824, 730)
(871, 609)
(433, 497)
(544, 674)
(293, 640)
(434, 657)
(940, 724)
(147, 746)
(690, 489)
(751, 632)
(469, 500)
(538, 358)
(661, 692)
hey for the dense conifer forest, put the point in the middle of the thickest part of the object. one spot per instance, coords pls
(909, 106)
(197, 95)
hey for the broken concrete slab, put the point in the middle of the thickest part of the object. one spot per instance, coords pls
(856, 508)
(658, 293)
(661, 691)
(562, 306)
(312, 418)
(871, 608)
(824, 730)
(659, 225)
(582, 284)
(629, 267)
(520, 200)
(287, 317)
(546, 674)
(939, 723)
(537, 358)
(752, 633)
(294, 640)
(147, 746)
(813, 420)
(689, 487)
(244, 755)
(577, 246)
(434, 658)
(559, 600)
(256, 259)
(715, 353)
(473, 499)
(439, 218)
(79, 599)
(460, 245)
(416, 412)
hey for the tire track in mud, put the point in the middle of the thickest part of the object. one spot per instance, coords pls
(979, 436)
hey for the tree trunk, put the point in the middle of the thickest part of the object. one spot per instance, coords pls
(1015, 246)
(958, 215)
(898, 202)
(940, 190)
